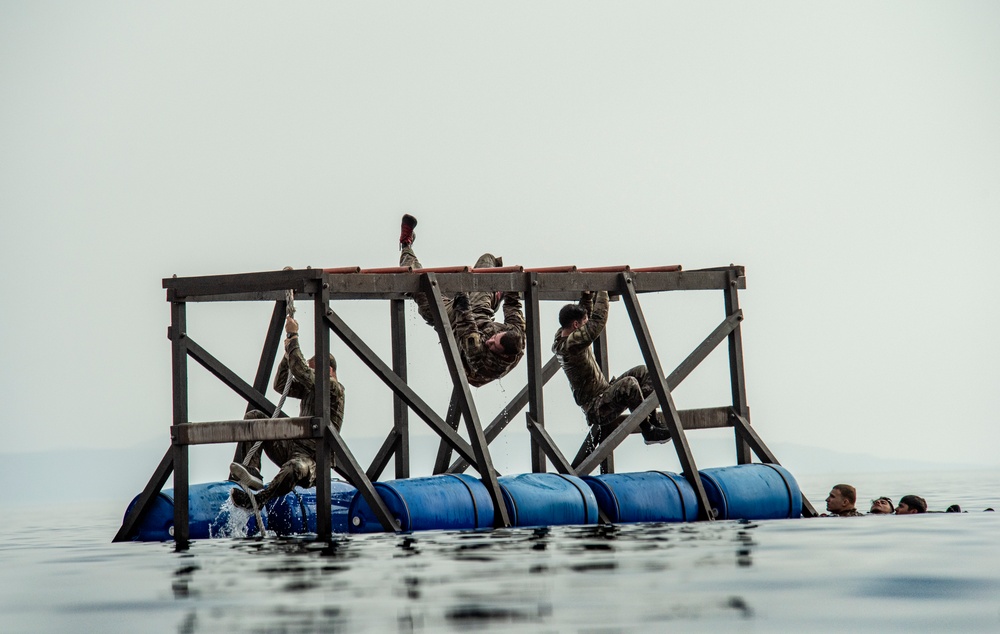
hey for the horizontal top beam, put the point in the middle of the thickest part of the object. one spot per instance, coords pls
(554, 283)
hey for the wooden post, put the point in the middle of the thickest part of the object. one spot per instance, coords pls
(400, 413)
(178, 358)
(536, 381)
(321, 410)
(600, 346)
(737, 377)
(453, 418)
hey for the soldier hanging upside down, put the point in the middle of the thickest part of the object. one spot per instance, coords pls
(296, 457)
(489, 349)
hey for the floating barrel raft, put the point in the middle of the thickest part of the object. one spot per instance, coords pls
(561, 489)
(461, 502)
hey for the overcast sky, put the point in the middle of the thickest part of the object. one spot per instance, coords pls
(848, 154)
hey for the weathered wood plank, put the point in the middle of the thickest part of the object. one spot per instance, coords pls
(245, 430)
(301, 280)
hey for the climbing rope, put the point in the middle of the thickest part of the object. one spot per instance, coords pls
(289, 312)
(247, 481)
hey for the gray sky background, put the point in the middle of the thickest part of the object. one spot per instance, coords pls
(847, 154)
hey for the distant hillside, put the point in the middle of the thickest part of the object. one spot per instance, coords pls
(120, 474)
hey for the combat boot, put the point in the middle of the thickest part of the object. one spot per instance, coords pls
(406, 235)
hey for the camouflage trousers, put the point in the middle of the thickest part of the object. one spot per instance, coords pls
(296, 460)
(480, 303)
(625, 392)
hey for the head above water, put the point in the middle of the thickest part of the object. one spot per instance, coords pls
(842, 498)
(911, 504)
(882, 506)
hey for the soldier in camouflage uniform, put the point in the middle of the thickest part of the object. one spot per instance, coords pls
(296, 457)
(841, 501)
(489, 349)
(601, 400)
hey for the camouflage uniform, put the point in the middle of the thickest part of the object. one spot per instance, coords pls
(847, 513)
(601, 400)
(475, 326)
(296, 457)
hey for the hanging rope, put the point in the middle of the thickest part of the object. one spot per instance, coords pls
(247, 481)
(289, 312)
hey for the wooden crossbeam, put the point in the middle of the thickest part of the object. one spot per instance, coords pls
(245, 430)
(503, 419)
(549, 286)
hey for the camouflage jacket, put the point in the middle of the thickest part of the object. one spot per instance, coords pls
(473, 327)
(576, 356)
(304, 382)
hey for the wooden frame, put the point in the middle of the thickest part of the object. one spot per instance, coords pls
(396, 284)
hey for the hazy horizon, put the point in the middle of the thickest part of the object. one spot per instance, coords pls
(847, 155)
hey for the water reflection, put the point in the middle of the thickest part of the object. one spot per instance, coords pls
(461, 581)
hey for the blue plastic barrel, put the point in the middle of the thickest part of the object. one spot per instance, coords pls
(649, 496)
(296, 512)
(548, 499)
(206, 517)
(441, 502)
(752, 492)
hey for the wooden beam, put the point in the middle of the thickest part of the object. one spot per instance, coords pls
(563, 285)
(584, 460)
(513, 408)
(400, 413)
(533, 357)
(246, 430)
(321, 410)
(614, 438)
(546, 444)
(737, 375)
(382, 456)
(349, 465)
(765, 454)
(662, 391)
(179, 349)
(483, 460)
(228, 377)
(453, 418)
(152, 489)
(302, 280)
(397, 385)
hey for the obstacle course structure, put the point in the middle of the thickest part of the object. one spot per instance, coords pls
(396, 285)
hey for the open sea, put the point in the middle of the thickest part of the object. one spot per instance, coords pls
(933, 572)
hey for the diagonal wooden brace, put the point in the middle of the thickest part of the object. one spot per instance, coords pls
(358, 478)
(483, 461)
(662, 391)
(398, 385)
(757, 444)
